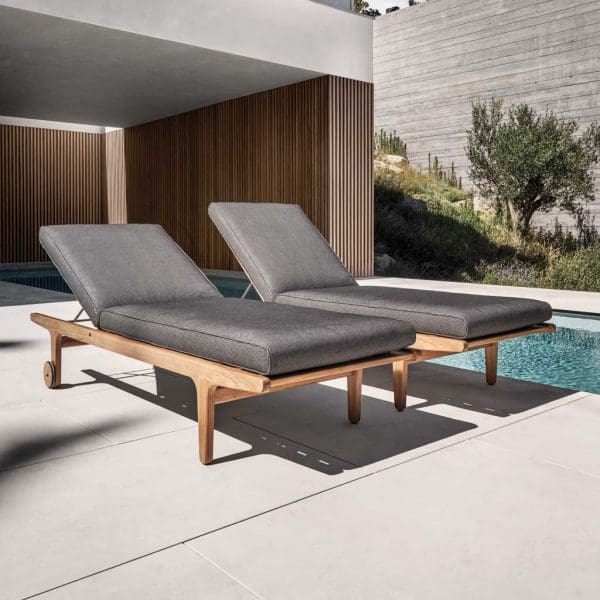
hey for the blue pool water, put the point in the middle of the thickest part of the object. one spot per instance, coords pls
(569, 358)
(45, 277)
(48, 278)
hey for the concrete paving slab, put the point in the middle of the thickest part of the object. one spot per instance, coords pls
(132, 402)
(26, 385)
(178, 573)
(473, 522)
(568, 436)
(24, 344)
(72, 517)
(20, 339)
(35, 433)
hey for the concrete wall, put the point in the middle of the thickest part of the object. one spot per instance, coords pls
(432, 60)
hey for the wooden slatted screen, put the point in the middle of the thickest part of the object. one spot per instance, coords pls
(47, 176)
(308, 143)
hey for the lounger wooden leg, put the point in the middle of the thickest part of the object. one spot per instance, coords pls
(205, 393)
(400, 376)
(354, 395)
(491, 363)
(52, 369)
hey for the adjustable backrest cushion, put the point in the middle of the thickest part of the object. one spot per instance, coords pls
(278, 247)
(113, 265)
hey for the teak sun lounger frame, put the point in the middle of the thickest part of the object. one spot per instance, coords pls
(215, 383)
(434, 346)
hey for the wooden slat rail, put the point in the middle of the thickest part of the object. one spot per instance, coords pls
(436, 343)
(215, 383)
(285, 382)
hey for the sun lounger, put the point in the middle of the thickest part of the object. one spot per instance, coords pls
(290, 263)
(146, 299)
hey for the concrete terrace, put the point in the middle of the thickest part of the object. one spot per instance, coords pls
(472, 492)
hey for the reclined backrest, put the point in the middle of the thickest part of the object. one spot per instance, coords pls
(278, 247)
(112, 265)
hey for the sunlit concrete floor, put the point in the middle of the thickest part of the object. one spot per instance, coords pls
(473, 492)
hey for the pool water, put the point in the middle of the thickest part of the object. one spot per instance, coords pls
(48, 278)
(569, 358)
(42, 276)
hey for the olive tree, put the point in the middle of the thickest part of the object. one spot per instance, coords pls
(359, 5)
(527, 162)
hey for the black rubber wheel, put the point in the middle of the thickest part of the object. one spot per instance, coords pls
(50, 374)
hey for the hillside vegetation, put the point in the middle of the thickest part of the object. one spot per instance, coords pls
(431, 230)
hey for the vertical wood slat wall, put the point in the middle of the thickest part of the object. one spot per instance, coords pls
(308, 143)
(47, 176)
(351, 209)
(114, 178)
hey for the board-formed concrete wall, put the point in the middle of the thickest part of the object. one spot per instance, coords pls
(432, 60)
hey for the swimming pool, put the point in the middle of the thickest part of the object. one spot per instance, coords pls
(48, 278)
(569, 358)
(39, 276)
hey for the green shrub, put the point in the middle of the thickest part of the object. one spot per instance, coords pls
(429, 236)
(420, 186)
(578, 270)
(526, 162)
(433, 232)
(389, 143)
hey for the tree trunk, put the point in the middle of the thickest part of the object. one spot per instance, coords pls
(521, 221)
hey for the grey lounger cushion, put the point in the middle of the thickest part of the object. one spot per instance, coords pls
(267, 338)
(464, 316)
(134, 280)
(279, 248)
(271, 240)
(108, 265)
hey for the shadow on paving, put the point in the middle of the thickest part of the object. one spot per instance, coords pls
(438, 384)
(25, 452)
(309, 425)
(12, 344)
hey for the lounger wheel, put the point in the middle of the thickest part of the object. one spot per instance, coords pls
(50, 374)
